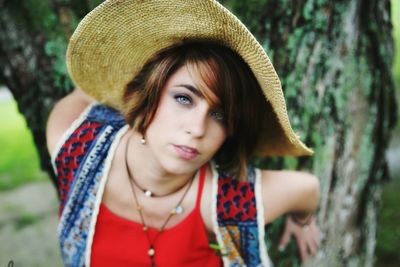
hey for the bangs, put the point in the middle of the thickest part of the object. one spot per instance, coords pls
(205, 79)
(209, 78)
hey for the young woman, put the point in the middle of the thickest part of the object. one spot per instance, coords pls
(152, 150)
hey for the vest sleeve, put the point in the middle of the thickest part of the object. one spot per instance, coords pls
(240, 222)
(73, 147)
(84, 157)
(67, 134)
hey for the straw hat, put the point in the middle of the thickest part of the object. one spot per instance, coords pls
(113, 42)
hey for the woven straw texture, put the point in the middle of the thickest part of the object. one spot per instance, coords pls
(112, 43)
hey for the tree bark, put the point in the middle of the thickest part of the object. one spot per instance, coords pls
(33, 40)
(334, 59)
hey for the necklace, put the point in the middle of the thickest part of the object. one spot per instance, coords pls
(149, 193)
(177, 210)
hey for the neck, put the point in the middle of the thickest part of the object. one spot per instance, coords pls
(147, 172)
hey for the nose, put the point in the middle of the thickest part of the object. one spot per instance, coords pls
(197, 123)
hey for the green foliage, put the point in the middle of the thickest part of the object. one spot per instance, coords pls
(388, 235)
(396, 35)
(290, 163)
(247, 11)
(45, 21)
(94, 3)
(42, 17)
(19, 162)
(388, 232)
(56, 48)
(312, 11)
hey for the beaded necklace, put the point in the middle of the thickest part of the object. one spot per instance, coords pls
(177, 210)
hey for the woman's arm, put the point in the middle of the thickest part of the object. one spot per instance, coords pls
(296, 193)
(288, 192)
(64, 113)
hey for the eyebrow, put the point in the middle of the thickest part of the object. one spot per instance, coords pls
(192, 89)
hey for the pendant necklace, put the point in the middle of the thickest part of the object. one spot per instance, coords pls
(149, 193)
(178, 209)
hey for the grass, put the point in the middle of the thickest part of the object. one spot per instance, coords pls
(19, 161)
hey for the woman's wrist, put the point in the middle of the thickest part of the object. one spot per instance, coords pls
(302, 220)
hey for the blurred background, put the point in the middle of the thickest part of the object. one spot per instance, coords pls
(28, 201)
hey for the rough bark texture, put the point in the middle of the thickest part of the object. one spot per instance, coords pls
(334, 59)
(33, 38)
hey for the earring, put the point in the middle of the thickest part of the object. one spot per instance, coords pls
(143, 141)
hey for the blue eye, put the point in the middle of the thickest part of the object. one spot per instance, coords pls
(183, 100)
(217, 116)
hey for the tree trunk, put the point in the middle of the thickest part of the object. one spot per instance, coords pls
(334, 59)
(33, 40)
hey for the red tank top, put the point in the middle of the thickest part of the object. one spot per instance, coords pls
(122, 242)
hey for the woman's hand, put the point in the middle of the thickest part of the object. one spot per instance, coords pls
(296, 193)
(307, 237)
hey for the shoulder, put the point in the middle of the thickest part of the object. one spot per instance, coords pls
(288, 191)
(72, 111)
(63, 114)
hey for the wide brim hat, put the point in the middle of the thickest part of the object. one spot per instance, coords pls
(113, 42)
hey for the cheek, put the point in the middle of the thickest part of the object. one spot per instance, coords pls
(219, 137)
(163, 117)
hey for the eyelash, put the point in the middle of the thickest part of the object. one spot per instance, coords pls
(186, 100)
(217, 115)
(183, 98)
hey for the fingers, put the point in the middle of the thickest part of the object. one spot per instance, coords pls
(307, 247)
(311, 242)
(317, 236)
(307, 238)
(312, 247)
(285, 238)
(303, 251)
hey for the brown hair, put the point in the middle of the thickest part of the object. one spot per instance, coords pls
(223, 78)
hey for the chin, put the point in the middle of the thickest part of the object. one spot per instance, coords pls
(182, 167)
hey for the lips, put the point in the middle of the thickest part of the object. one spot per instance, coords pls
(186, 152)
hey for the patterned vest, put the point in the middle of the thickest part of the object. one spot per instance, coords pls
(82, 161)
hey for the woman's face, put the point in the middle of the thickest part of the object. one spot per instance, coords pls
(185, 132)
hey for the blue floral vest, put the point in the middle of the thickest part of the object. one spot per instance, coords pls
(82, 161)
